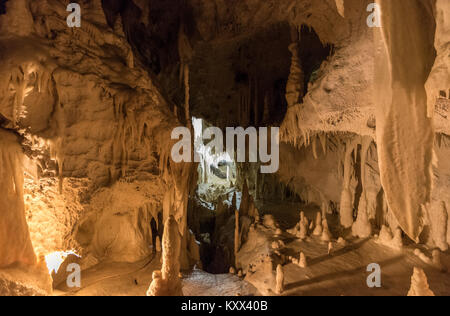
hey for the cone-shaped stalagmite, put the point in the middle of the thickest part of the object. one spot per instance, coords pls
(318, 229)
(419, 284)
(302, 263)
(15, 242)
(167, 281)
(279, 280)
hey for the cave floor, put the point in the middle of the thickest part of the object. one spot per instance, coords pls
(133, 279)
(343, 273)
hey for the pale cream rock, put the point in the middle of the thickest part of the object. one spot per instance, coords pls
(158, 244)
(167, 281)
(326, 235)
(419, 284)
(302, 263)
(340, 7)
(330, 248)
(279, 280)
(318, 229)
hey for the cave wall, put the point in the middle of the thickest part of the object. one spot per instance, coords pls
(88, 114)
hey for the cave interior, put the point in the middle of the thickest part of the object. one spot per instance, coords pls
(355, 105)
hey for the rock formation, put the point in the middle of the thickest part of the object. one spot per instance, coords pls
(419, 284)
(167, 281)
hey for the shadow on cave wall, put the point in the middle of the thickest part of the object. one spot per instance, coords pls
(3, 6)
(155, 41)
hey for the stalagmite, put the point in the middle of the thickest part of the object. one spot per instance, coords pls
(303, 232)
(330, 248)
(318, 229)
(158, 244)
(279, 280)
(419, 284)
(167, 281)
(361, 227)
(302, 263)
(326, 236)
(386, 237)
(15, 243)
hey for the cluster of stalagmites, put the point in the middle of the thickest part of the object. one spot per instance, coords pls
(318, 228)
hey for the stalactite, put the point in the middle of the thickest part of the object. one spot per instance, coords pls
(362, 227)
(323, 142)
(314, 147)
(405, 135)
(346, 207)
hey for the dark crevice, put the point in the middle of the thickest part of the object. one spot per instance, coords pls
(3, 6)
